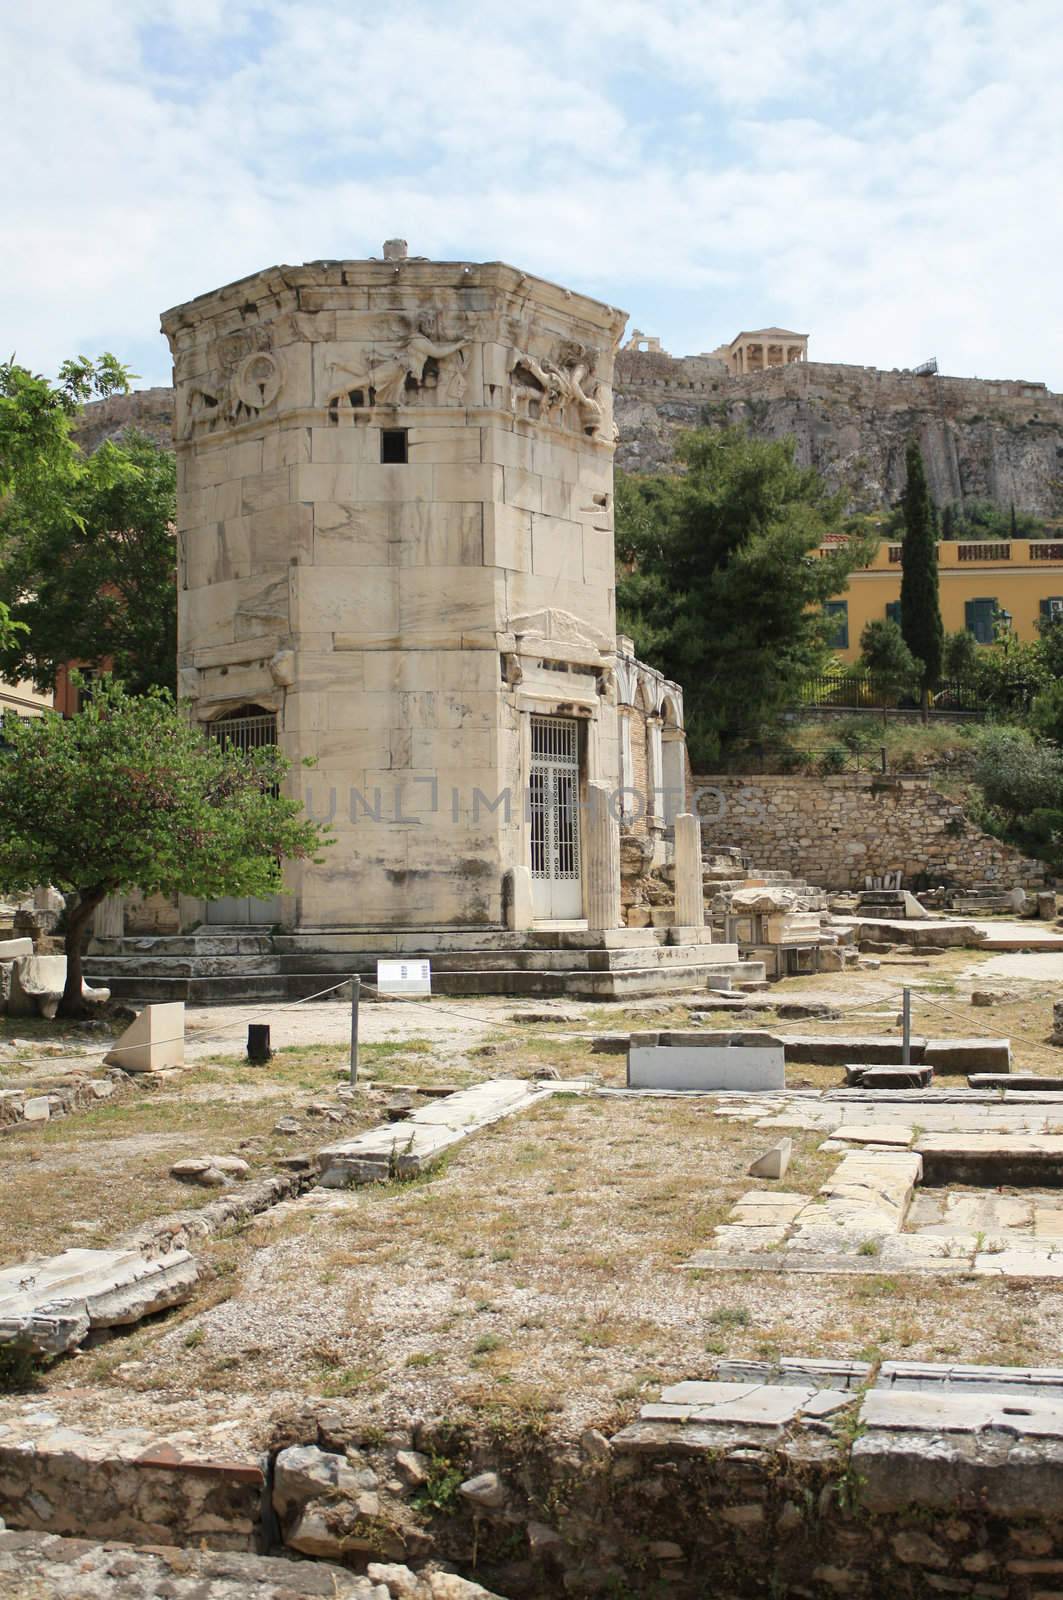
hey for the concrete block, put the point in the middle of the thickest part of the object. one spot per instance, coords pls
(155, 1040)
(774, 1162)
(705, 1067)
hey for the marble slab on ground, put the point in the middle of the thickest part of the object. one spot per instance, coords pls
(53, 1304)
(406, 1147)
(747, 1404)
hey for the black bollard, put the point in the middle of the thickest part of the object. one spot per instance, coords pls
(258, 1050)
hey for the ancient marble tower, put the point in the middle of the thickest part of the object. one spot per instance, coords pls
(396, 556)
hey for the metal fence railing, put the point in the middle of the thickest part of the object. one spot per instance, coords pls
(863, 691)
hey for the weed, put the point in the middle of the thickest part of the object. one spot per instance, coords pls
(20, 1367)
(730, 1317)
(194, 1339)
(874, 1288)
(485, 1344)
(441, 1489)
(870, 1247)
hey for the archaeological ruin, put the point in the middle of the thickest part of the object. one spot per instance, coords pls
(744, 1286)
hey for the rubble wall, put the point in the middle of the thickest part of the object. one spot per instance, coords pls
(836, 831)
(721, 1510)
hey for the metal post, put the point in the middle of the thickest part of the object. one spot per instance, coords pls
(906, 1019)
(258, 1045)
(356, 991)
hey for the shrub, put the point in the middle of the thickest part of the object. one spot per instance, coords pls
(1017, 773)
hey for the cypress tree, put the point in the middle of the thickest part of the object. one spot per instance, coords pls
(920, 602)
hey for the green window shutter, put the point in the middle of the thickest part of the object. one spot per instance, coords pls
(893, 611)
(979, 617)
(1052, 607)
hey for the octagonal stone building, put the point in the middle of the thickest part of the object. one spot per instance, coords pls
(396, 558)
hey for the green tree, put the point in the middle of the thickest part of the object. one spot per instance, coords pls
(960, 655)
(721, 583)
(1017, 773)
(128, 794)
(884, 652)
(87, 551)
(1046, 712)
(97, 582)
(920, 602)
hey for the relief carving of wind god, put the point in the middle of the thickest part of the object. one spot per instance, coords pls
(421, 365)
(561, 390)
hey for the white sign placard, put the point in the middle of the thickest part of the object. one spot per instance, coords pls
(404, 977)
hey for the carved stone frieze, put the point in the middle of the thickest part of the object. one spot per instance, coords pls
(246, 380)
(420, 367)
(560, 388)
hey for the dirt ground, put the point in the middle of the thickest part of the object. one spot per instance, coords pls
(535, 1272)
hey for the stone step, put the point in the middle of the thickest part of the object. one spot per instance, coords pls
(625, 983)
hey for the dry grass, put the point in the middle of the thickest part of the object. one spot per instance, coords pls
(534, 1274)
(539, 1270)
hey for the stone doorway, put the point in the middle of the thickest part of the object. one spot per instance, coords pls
(554, 792)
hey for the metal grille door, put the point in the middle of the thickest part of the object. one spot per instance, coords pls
(251, 728)
(554, 793)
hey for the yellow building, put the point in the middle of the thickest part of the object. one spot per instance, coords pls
(977, 580)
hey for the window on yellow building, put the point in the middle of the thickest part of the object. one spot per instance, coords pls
(893, 611)
(980, 619)
(838, 611)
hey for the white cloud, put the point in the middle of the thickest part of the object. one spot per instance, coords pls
(884, 177)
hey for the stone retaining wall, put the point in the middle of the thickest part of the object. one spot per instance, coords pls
(806, 1496)
(837, 831)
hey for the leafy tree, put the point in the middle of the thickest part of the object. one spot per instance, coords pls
(1050, 640)
(960, 655)
(86, 542)
(972, 520)
(97, 582)
(884, 652)
(1046, 712)
(920, 602)
(128, 794)
(1017, 773)
(721, 584)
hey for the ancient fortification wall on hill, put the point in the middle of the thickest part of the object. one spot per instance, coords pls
(981, 438)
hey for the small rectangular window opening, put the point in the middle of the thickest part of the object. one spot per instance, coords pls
(393, 446)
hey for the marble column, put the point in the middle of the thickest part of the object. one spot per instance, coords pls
(601, 859)
(689, 895)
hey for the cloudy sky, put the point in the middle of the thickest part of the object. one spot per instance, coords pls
(885, 177)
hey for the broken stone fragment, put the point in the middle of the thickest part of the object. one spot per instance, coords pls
(485, 1489)
(303, 1473)
(543, 1540)
(595, 1445)
(412, 1467)
(209, 1172)
(288, 1125)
